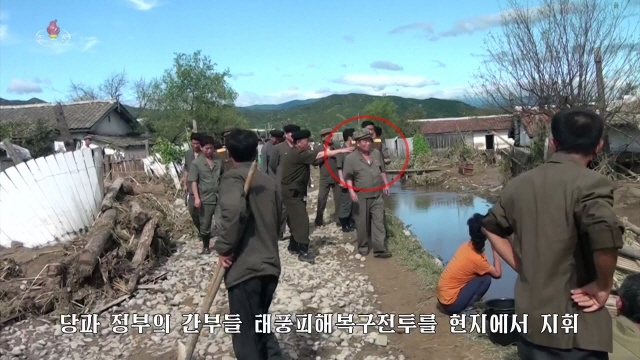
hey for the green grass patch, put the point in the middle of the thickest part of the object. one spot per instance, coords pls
(409, 250)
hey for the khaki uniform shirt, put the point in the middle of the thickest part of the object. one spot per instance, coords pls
(207, 177)
(626, 340)
(296, 169)
(189, 156)
(379, 145)
(325, 175)
(365, 175)
(249, 226)
(558, 213)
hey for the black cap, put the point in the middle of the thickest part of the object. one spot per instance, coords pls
(301, 134)
(291, 128)
(277, 133)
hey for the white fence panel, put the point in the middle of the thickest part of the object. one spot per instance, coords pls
(50, 198)
(32, 200)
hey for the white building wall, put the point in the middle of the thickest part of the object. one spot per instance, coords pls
(499, 142)
(112, 125)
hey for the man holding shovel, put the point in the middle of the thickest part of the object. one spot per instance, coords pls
(248, 246)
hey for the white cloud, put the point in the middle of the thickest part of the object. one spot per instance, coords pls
(380, 82)
(19, 86)
(251, 98)
(89, 42)
(239, 75)
(144, 5)
(4, 28)
(424, 27)
(439, 64)
(386, 65)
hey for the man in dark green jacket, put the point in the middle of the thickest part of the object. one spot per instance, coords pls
(248, 246)
(296, 171)
(327, 181)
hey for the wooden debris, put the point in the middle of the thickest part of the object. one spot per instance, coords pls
(138, 217)
(630, 252)
(82, 264)
(634, 229)
(112, 193)
(150, 189)
(142, 251)
(115, 302)
(628, 265)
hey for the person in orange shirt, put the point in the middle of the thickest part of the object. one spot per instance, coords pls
(467, 277)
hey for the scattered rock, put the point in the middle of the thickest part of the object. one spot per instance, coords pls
(381, 340)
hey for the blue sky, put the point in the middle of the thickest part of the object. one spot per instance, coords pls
(276, 50)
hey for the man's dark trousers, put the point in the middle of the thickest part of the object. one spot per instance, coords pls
(248, 299)
(531, 351)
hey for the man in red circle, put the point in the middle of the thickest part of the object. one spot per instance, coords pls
(364, 169)
(376, 141)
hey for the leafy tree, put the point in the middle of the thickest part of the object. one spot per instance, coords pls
(421, 146)
(193, 90)
(388, 110)
(37, 137)
(415, 113)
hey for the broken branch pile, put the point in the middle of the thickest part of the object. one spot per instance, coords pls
(111, 261)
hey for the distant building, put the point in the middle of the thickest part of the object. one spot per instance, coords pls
(481, 132)
(111, 125)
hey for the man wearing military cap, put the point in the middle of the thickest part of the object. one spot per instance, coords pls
(296, 170)
(222, 153)
(277, 136)
(376, 140)
(327, 182)
(365, 169)
(275, 162)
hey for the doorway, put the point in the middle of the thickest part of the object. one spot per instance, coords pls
(488, 140)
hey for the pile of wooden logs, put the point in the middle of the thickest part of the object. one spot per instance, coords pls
(80, 266)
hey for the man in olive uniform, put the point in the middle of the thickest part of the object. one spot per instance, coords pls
(626, 327)
(565, 243)
(248, 247)
(189, 156)
(277, 136)
(296, 170)
(376, 141)
(364, 169)
(379, 142)
(327, 181)
(346, 205)
(204, 176)
(275, 164)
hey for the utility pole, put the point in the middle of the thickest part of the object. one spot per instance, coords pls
(602, 105)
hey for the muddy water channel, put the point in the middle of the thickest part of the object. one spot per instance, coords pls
(440, 221)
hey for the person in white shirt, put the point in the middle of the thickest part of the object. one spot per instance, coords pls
(86, 144)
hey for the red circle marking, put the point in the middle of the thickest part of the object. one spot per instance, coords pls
(406, 146)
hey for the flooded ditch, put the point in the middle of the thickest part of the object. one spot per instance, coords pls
(439, 220)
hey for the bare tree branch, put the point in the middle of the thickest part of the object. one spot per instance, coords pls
(543, 59)
(113, 85)
(82, 92)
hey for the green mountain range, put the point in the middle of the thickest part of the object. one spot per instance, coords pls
(334, 109)
(316, 114)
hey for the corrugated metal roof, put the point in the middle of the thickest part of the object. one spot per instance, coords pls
(499, 122)
(80, 115)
